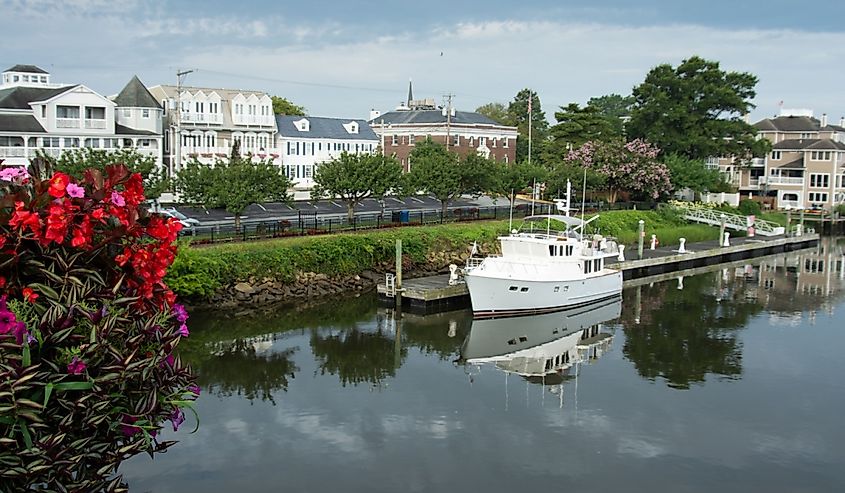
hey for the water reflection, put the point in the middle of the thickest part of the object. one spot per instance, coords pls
(541, 348)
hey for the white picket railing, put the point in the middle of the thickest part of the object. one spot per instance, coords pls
(732, 221)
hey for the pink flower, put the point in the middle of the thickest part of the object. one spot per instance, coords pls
(75, 191)
(194, 389)
(117, 199)
(183, 330)
(15, 173)
(76, 366)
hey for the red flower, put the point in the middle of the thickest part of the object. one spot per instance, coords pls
(58, 184)
(30, 295)
(2, 282)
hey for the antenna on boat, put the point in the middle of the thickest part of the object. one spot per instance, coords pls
(533, 195)
(549, 221)
(510, 221)
(583, 199)
(568, 196)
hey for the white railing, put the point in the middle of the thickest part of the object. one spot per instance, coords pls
(712, 163)
(758, 162)
(473, 262)
(67, 123)
(753, 182)
(252, 120)
(732, 221)
(96, 124)
(202, 117)
(12, 152)
(782, 180)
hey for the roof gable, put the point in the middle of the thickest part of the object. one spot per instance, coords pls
(136, 95)
(789, 124)
(30, 69)
(19, 97)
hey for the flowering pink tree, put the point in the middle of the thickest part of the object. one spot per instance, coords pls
(89, 375)
(626, 166)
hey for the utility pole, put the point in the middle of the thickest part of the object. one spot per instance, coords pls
(180, 75)
(448, 119)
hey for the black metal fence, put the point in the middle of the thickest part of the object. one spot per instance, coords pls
(307, 224)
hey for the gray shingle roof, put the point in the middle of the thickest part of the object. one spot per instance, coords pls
(136, 95)
(428, 117)
(31, 69)
(789, 124)
(814, 144)
(124, 130)
(18, 98)
(20, 123)
(796, 164)
(323, 128)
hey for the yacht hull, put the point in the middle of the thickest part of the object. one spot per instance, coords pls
(496, 297)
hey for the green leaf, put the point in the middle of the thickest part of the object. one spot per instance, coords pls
(26, 357)
(27, 438)
(48, 389)
(64, 386)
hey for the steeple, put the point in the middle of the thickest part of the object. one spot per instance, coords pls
(410, 92)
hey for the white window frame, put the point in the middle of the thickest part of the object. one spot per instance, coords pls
(819, 180)
(776, 155)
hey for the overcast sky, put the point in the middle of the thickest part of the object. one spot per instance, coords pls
(341, 58)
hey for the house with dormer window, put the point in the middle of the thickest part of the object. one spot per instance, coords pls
(208, 122)
(306, 141)
(38, 115)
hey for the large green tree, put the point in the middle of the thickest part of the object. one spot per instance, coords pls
(497, 112)
(696, 110)
(282, 106)
(694, 175)
(575, 126)
(615, 108)
(355, 177)
(441, 173)
(75, 161)
(518, 110)
(510, 179)
(233, 185)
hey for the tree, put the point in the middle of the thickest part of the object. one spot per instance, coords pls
(575, 126)
(233, 185)
(497, 112)
(281, 106)
(696, 110)
(510, 179)
(441, 173)
(615, 108)
(518, 110)
(355, 177)
(694, 175)
(630, 166)
(75, 161)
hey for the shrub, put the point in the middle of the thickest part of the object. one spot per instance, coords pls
(88, 329)
(749, 207)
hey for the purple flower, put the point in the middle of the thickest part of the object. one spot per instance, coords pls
(117, 199)
(76, 366)
(20, 332)
(180, 312)
(75, 191)
(183, 330)
(177, 417)
(127, 426)
(194, 389)
(168, 360)
(8, 321)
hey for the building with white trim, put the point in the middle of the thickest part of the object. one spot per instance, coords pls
(306, 141)
(36, 114)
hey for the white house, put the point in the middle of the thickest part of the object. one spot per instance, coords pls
(211, 120)
(37, 114)
(306, 141)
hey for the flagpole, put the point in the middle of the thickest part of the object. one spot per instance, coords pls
(530, 97)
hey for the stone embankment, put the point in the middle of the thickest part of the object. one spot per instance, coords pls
(313, 285)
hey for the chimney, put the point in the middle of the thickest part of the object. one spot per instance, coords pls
(842, 121)
(824, 120)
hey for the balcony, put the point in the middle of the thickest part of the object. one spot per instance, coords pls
(12, 152)
(758, 162)
(202, 118)
(67, 123)
(253, 120)
(782, 180)
(95, 124)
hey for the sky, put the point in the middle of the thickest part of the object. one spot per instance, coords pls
(343, 58)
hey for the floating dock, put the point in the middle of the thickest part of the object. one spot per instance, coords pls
(433, 293)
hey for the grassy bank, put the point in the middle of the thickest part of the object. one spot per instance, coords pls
(199, 273)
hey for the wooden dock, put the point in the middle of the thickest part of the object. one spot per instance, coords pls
(433, 293)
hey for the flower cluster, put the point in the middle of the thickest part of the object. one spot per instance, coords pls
(88, 327)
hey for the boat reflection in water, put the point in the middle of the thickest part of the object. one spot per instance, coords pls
(544, 348)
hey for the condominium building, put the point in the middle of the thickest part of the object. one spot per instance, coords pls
(36, 114)
(306, 141)
(209, 121)
(806, 167)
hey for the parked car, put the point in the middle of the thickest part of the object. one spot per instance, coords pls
(187, 222)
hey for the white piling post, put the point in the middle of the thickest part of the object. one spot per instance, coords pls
(680, 282)
(621, 256)
(799, 230)
(653, 242)
(682, 249)
(727, 242)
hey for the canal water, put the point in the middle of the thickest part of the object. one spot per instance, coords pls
(730, 380)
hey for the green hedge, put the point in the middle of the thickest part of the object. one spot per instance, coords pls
(200, 272)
